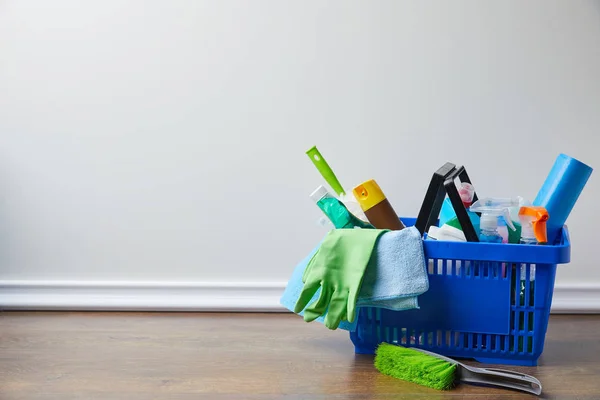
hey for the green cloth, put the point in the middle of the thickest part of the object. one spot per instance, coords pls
(337, 268)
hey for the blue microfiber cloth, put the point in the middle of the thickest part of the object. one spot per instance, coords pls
(397, 272)
(394, 277)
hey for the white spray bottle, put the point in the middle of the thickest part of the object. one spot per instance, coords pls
(533, 225)
(533, 232)
(492, 209)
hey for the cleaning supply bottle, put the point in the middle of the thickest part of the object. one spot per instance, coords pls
(515, 236)
(448, 217)
(466, 192)
(491, 210)
(353, 206)
(533, 225)
(533, 232)
(336, 211)
(446, 233)
(455, 223)
(376, 206)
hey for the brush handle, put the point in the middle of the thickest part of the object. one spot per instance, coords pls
(500, 377)
(491, 376)
(326, 172)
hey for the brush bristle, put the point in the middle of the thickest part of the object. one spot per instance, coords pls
(413, 366)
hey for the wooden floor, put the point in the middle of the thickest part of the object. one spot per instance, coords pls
(241, 356)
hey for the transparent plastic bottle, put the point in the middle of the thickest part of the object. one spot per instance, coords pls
(488, 226)
(491, 210)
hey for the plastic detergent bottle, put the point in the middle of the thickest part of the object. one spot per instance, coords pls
(336, 211)
(491, 210)
(446, 233)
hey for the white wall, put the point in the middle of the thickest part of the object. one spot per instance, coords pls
(163, 141)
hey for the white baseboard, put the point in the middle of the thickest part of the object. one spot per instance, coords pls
(140, 296)
(202, 296)
(576, 298)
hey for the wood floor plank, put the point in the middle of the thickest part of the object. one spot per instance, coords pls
(56, 355)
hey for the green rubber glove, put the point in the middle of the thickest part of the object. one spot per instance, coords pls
(337, 268)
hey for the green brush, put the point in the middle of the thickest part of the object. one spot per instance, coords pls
(325, 170)
(439, 372)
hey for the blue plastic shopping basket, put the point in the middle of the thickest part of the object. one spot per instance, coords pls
(486, 301)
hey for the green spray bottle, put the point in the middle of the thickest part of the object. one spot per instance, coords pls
(336, 211)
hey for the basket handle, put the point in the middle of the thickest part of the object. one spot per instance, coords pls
(442, 183)
(457, 204)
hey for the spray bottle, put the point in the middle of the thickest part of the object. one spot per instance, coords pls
(336, 211)
(491, 210)
(533, 232)
(533, 225)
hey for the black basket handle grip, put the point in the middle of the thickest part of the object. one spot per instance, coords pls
(442, 183)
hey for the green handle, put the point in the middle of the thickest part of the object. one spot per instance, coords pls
(325, 170)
